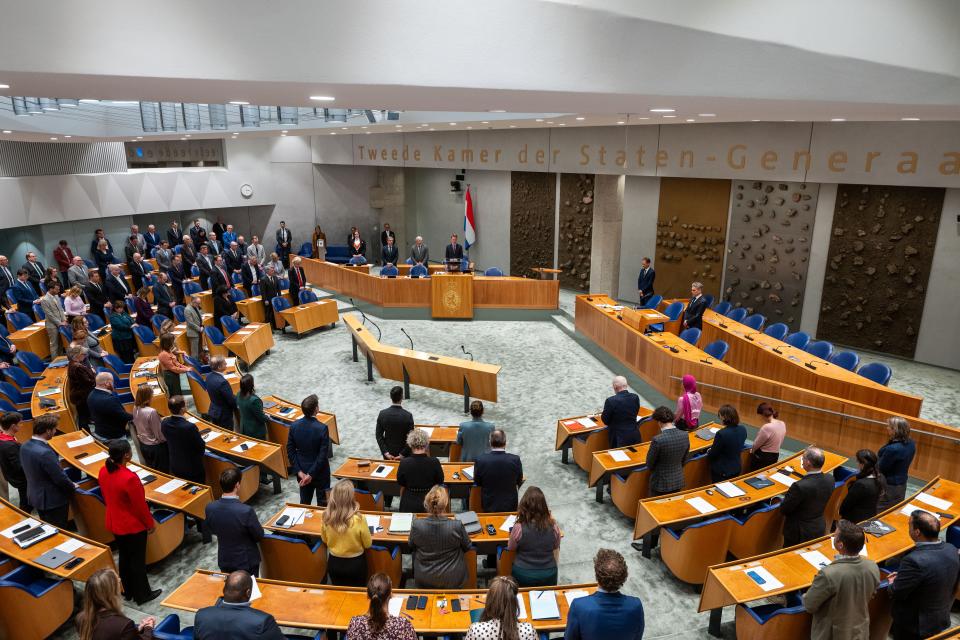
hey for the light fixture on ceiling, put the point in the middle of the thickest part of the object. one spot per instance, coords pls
(469, 127)
(754, 121)
(67, 136)
(497, 110)
(397, 126)
(239, 102)
(453, 124)
(838, 119)
(344, 128)
(367, 132)
(563, 124)
(7, 131)
(910, 119)
(284, 131)
(89, 101)
(707, 115)
(513, 126)
(363, 127)
(669, 116)
(323, 98)
(580, 118)
(789, 120)
(643, 118)
(484, 122)
(187, 135)
(182, 138)
(549, 121)
(333, 133)
(539, 120)
(662, 110)
(4, 86)
(432, 129)
(621, 122)
(691, 119)
(139, 137)
(53, 138)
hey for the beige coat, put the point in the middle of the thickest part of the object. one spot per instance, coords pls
(839, 597)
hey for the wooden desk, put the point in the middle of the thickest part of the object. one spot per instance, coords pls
(253, 310)
(758, 354)
(278, 424)
(95, 555)
(311, 606)
(32, 338)
(451, 295)
(604, 465)
(54, 378)
(260, 452)
(544, 272)
(569, 428)
(417, 367)
(359, 268)
(459, 486)
(310, 316)
(180, 499)
(442, 438)
(250, 342)
(728, 584)
(403, 269)
(179, 332)
(141, 369)
(949, 634)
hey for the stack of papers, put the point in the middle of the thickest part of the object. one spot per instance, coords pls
(730, 490)
(573, 595)
(79, 443)
(244, 446)
(521, 608)
(294, 515)
(619, 456)
(396, 603)
(936, 503)
(401, 523)
(913, 506)
(468, 472)
(700, 505)
(817, 559)
(782, 479)
(769, 583)
(96, 457)
(373, 521)
(543, 605)
(427, 430)
(207, 437)
(52, 391)
(70, 545)
(382, 471)
(171, 486)
(508, 523)
(255, 594)
(587, 422)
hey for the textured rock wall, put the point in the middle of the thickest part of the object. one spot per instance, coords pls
(768, 249)
(532, 208)
(881, 250)
(691, 233)
(576, 230)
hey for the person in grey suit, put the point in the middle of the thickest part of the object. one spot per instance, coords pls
(474, 435)
(923, 587)
(419, 252)
(78, 274)
(233, 617)
(55, 318)
(164, 256)
(256, 250)
(194, 319)
(667, 455)
(48, 487)
(438, 544)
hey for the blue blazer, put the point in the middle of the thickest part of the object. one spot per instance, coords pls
(186, 447)
(498, 474)
(620, 416)
(48, 487)
(724, 454)
(24, 295)
(893, 460)
(222, 401)
(225, 621)
(605, 615)
(308, 448)
(922, 594)
(238, 531)
(109, 417)
(645, 281)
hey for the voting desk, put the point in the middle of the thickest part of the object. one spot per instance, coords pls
(243, 449)
(311, 606)
(253, 309)
(283, 413)
(52, 387)
(250, 342)
(403, 269)
(363, 471)
(179, 332)
(794, 568)
(307, 317)
(586, 434)
(443, 373)
(830, 422)
(31, 338)
(146, 370)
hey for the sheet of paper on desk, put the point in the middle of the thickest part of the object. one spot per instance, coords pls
(193, 419)
(573, 595)
(817, 559)
(936, 503)
(427, 430)
(240, 447)
(730, 490)
(373, 521)
(587, 422)
(508, 523)
(97, 457)
(207, 437)
(295, 515)
(543, 605)
(468, 472)
(255, 593)
(910, 508)
(770, 583)
(700, 504)
(396, 603)
(171, 486)
(80, 442)
(70, 545)
(382, 471)
(863, 550)
(619, 456)
(782, 479)
(522, 608)
(28, 523)
(230, 362)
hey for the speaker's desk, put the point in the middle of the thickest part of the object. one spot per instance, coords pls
(250, 342)
(52, 387)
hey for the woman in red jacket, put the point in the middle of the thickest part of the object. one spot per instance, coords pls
(129, 519)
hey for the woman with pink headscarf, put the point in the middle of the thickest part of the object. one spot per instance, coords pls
(689, 405)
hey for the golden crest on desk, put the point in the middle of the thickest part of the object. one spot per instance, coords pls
(451, 298)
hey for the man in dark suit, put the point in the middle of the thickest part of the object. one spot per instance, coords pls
(387, 234)
(188, 251)
(48, 487)
(205, 266)
(133, 246)
(606, 613)
(233, 617)
(269, 289)
(96, 294)
(454, 250)
(23, 293)
(393, 425)
(222, 401)
(219, 227)
(162, 296)
(136, 271)
(151, 238)
(184, 442)
(251, 274)
(297, 278)
(35, 271)
(174, 234)
(109, 417)
(233, 258)
(923, 588)
(389, 252)
(620, 415)
(177, 275)
(308, 448)
(693, 314)
(667, 455)
(198, 234)
(98, 235)
(213, 244)
(499, 475)
(645, 281)
(805, 500)
(117, 287)
(236, 526)
(219, 276)
(7, 279)
(284, 240)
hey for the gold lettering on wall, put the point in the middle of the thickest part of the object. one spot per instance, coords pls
(736, 156)
(950, 166)
(909, 162)
(836, 160)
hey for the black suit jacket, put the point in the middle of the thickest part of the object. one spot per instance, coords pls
(186, 448)
(292, 274)
(109, 417)
(35, 273)
(665, 459)
(174, 236)
(308, 446)
(393, 425)
(135, 269)
(454, 251)
(205, 266)
(923, 590)
(234, 259)
(48, 487)
(803, 506)
(222, 401)
(189, 255)
(693, 314)
(223, 307)
(246, 274)
(116, 291)
(645, 282)
(238, 531)
(219, 279)
(390, 254)
(725, 453)
(96, 296)
(225, 621)
(620, 416)
(269, 289)
(162, 297)
(499, 475)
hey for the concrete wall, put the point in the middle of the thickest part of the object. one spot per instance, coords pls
(939, 341)
(607, 230)
(342, 200)
(819, 250)
(638, 238)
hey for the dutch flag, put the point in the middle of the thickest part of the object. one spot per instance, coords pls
(469, 224)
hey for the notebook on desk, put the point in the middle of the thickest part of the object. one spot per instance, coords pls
(759, 482)
(400, 523)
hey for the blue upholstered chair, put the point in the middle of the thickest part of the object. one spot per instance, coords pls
(20, 378)
(717, 349)
(307, 295)
(777, 331)
(37, 602)
(237, 294)
(191, 288)
(118, 366)
(195, 271)
(846, 359)
(236, 278)
(708, 297)
(94, 321)
(691, 335)
(178, 313)
(213, 335)
(293, 559)
(876, 371)
(723, 307)
(169, 629)
(306, 249)
(157, 321)
(204, 369)
(358, 260)
(19, 320)
(653, 302)
(389, 270)
(230, 325)
(30, 362)
(419, 271)
(737, 315)
(755, 321)
(673, 311)
(820, 349)
(493, 271)
(799, 340)
(774, 620)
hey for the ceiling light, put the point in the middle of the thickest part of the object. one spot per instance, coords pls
(432, 129)
(183, 138)
(284, 131)
(398, 126)
(789, 120)
(513, 126)
(283, 135)
(707, 115)
(469, 127)
(691, 120)
(4, 86)
(53, 138)
(89, 101)
(549, 121)
(669, 116)
(323, 98)
(7, 131)
(910, 119)
(563, 124)
(643, 118)
(662, 110)
(367, 132)
(453, 124)
(363, 127)
(580, 118)
(484, 122)
(187, 135)
(344, 128)
(333, 133)
(67, 136)
(838, 119)
(754, 121)
(621, 122)
(239, 102)
(497, 110)
(139, 137)
(539, 119)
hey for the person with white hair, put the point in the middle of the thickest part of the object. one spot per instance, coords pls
(693, 315)
(419, 253)
(109, 417)
(620, 415)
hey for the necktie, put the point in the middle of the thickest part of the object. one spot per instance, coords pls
(299, 278)
(6, 272)
(37, 268)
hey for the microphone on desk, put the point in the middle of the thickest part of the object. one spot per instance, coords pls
(809, 365)
(404, 332)
(365, 318)
(706, 361)
(777, 351)
(749, 336)
(466, 353)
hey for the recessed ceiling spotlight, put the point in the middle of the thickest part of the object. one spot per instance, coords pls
(398, 126)
(139, 137)
(453, 124)
(707, 115)
(183, 138)
(662, 110)
(187, 135)
(513, 126)
(239, 102)
(4, 86)
(333, 133)
(580, 118)
(539, 119)
(469, 127)
(88, 101)
(549, 121)
(367, 132)
(484, 122)
(754, 121)
(7, 131)
(669, 116)
(67, 136)
(910, 119)
(691, 119)
(838, 119)
(621, 122)
(53, 138)
(789, 120)
(432, 129)
(563, 124)
(497, 110)
(344, 128)
(284, 131)
(283, 135)
(643, 118)
(323, 98)
(363, 127)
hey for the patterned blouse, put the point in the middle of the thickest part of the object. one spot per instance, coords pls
(490, 630)
(397, 628)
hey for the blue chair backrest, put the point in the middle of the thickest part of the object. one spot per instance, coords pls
(147, 267)
(673, 310)
(157, 321)
(12, 393)
(153, 252)
(94, 321)
(464, 264)
(691, 335)
(419, 271)
(389, 270)
(38, 312)
(717, 349)
(115, 364)
(237, 294)
(709, 299)
(131, 307)
(255, 289)
(846, 359)
(4, 331)
(777, 330)
(195, 271)
(19, 320)
(358, 260)
(19, 377)
(799, 340)
(737, 315)
(196, 377)
(229, 324)
(31, 361)
(679, 531)
(409, 260)
(6, 407)
(145, 334)
(67, 332)
(493, 271)
(307, 295)
(213, 335)
(820, 349)
(178, 313)
(236, 278)
(280, 303)
(755, 321)
(10, 298)
(284, 283)
(723, 307)
(876, 371)
(196, 364)
(177, 248)
(43, 286)
(653, 302)
(190, 288)
(90, 263)
(305, 249)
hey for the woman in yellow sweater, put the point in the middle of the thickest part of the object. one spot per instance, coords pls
(346, 535)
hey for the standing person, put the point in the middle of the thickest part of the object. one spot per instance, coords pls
(308, 446)
(177, 275)
(121, 331)
(453, 252)
(188, 252)
(645, 281)
(117, 288)
(418, 472)
(204, 265)
(233, 617)
(319, 244)
(667, 455)
(63, 256)
(174, 234)
(102, 618)
(194, 320)
(7, 279)
(895, 458)
(923, 587)
(10, 465)
(151, 238)
(693, 314)
(233, 258)
(805, 500)
(162, 296)
(419, 252)
(863, 494)
(236, 526)
(24, 293)
(620, 415)
(83, 338)
(219, 227)
(766, 446)
(387, 235)
(345, 532)
(607, 613)
(223, 305)
(223, 403)
(164, 256)
(142, 304)
(55, 317)
(81, 379)
(253, 421)
(73, 304)
(500, 614)
(78, 275)
(278, 267)
(438, 544)
(251, 274)
(536, 540)
(136, 270)
(228, 235)
(840, 594)
(725, 452)
(389, 254)
(109, 416)
(215, 247)
(98, 237)
(96, 295)
(129, 519)
(256, 250)
(146, 422)
(198, 234)
(357, 245)
(35, 271)
(297, 278)
(269, 289)
(689, 405)
(474, 435)
(219, 278)
(103, 257)
(48, 487)
(284, 240)
(140, 240)
(499, 475)
(394, 424)
(377, 623)
(184, 443)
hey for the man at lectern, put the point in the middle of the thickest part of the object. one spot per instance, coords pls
(454, 254)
